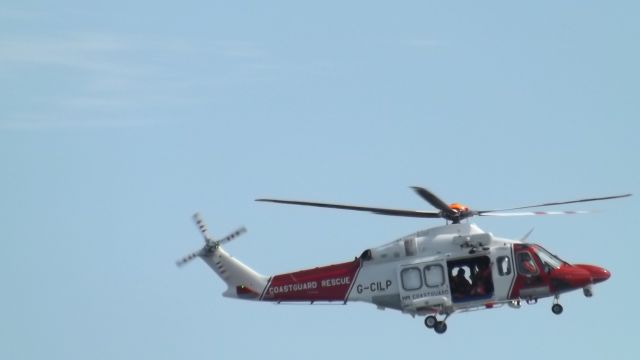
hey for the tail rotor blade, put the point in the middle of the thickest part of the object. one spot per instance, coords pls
(232, 236)
(187, 259)
(203, 228)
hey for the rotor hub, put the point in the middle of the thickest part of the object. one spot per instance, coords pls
(458, 207)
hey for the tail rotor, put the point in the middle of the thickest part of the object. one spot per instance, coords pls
(210, 245)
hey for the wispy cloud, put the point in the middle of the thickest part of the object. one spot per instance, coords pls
(19, 14)
(113, 75)
(121, 55)
(239, 49)
(84, 62)
(37, 123)
(104, 74)
(90, 52)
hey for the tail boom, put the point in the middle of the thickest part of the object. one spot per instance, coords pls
(325, 283)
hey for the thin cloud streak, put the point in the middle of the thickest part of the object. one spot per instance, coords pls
(109, 76)
(30, 123)
(98, 53)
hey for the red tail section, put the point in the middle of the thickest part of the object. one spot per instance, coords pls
(326, 283)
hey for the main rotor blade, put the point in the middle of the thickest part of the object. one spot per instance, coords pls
(375, 210)
(535, 213)
(432, 199)
(558, 203)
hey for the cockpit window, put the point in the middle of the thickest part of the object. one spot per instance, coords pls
(549, 261)
(526, 265)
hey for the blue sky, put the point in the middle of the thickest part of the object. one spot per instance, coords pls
(119, 120)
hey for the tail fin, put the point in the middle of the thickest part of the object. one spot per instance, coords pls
(242, 281)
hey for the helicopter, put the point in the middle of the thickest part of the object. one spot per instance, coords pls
(454, 268)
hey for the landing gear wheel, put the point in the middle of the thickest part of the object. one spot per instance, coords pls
(440, 327)
(556, 309)
(430, 321)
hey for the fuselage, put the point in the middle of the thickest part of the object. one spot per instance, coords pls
(439, 270)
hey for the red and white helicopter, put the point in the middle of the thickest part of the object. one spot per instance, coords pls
(434, 273)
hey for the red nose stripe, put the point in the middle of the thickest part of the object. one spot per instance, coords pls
(598, 274)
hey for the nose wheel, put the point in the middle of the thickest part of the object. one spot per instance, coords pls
(556, 308)
(431, 322)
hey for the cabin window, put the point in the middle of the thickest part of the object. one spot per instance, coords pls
(504, 265)
(434, 275)
(526, 265)
(411, 278)
(470, 278)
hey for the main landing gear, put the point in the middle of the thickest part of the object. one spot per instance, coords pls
(432, 322)
(556, 308)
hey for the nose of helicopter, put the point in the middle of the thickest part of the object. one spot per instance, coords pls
(577, 276)
(571, 277)
(597, 273)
